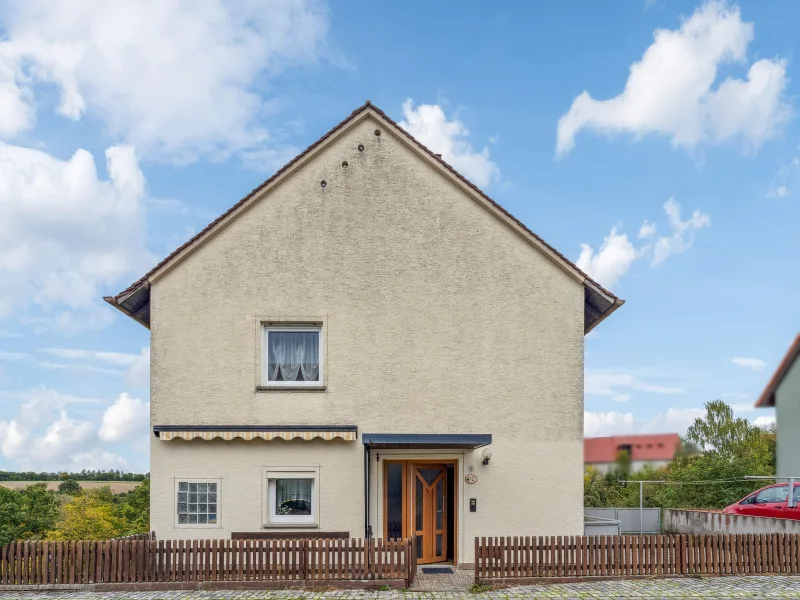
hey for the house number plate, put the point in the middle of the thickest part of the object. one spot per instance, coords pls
(471, 478)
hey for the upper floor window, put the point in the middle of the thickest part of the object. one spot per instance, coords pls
(293, 355)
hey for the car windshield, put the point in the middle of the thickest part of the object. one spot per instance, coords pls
(773, 494)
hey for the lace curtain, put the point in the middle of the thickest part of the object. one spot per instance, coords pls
(293, 355)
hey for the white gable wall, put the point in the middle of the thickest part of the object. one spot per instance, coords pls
(438, 319)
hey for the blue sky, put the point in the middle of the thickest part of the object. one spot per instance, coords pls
(654, 143)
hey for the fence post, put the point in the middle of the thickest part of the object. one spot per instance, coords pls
(304, 560)
(476, 559)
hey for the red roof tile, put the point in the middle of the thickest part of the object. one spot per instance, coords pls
(646, 447)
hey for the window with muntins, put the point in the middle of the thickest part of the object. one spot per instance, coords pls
(292, 356)
(197, 503)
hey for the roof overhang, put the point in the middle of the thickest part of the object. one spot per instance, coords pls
(348, 433)
(135, 301)
(767, 398)
(426, 441)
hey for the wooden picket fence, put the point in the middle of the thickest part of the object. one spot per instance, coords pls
(138, 561)
(575, 557)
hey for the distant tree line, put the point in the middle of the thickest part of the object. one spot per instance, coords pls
(82, 476)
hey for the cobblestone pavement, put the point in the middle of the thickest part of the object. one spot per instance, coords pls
(723, 587)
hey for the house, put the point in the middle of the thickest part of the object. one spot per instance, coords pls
(367, 344)
(783, 394)
(646, 450)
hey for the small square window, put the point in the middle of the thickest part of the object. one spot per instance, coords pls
(192, 503)
(292, 356)
(292, 497)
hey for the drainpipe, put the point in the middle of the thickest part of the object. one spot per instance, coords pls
(792, 500)
(367, 528)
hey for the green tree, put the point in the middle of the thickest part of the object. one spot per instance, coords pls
(26, 514)
(135, 508)
(69, 486)
(732, 449)
(91, 515)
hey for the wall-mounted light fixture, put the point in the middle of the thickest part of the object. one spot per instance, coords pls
(486, 455)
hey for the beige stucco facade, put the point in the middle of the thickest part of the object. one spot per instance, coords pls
(437, 318)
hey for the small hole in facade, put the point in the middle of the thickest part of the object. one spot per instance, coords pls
(344, 164)
(361, 147)
(377, 132)
(323, 184)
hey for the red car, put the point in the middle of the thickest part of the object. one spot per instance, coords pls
(770, 501)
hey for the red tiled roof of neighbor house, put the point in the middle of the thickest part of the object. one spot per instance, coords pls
(646, 447)
(437, 157)
(768, 395)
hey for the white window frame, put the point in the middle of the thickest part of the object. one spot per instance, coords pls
(265, 331)
(272, 519)
(178, 481)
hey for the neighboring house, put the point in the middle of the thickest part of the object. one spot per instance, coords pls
(647, 450)
(346, 348)
(783, 393)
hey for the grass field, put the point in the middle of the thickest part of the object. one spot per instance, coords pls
(118, 487)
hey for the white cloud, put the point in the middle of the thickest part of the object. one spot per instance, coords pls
(674, 420)
(611, 261)
(65, 234)
(42, 435)
(682, 233)
(78, 368)
(785, 181)
(179, 80)
(617, 253)
(610, 382)
(764, 421)
(125, 419)
(647, 230)
(14, 356)
(428, 124)
(135, 367)
(671, 90)
(754, 364)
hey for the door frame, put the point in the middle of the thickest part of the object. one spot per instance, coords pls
(408, 494)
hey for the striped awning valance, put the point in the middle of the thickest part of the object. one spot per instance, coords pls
(165, 433)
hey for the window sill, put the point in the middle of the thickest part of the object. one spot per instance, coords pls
(291, 388)
(290, 526)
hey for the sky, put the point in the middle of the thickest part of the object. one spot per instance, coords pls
(654, 143)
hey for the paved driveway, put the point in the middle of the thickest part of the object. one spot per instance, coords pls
(722, 587)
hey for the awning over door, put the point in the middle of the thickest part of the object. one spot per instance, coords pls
(348, 433)
(412, 441)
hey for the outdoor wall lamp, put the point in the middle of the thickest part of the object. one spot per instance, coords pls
(486, 455)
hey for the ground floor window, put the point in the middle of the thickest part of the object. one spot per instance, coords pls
(197, 502)
(292, 497)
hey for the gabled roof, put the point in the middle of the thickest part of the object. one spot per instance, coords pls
(645, 447)
(768, 395)
(135, 300)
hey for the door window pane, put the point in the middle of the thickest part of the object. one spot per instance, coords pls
(438, 544)
(418, 501)
(394, 500)
(293, 496)
(420, 541)
(439, 505)
(430, 474)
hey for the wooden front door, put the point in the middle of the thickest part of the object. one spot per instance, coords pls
(430, 512)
